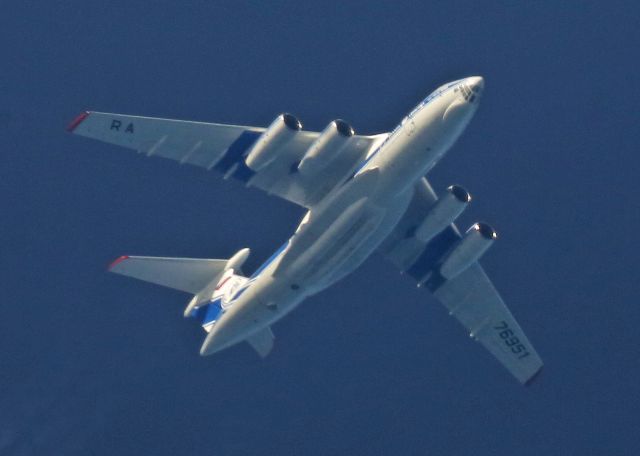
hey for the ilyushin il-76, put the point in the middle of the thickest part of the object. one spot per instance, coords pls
(363, 194)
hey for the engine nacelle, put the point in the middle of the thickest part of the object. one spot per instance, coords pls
(443, 213)
(473, 245)
(266, 148)
(326, 147)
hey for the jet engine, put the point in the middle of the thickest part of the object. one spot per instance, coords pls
(266, 148)
(326, 147)
(443, 213)
(473, 245)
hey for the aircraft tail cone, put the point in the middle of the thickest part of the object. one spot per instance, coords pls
(215, 342)
(206, 348)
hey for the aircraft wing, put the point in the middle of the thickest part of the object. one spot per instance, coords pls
(470, 297)
(223, 148)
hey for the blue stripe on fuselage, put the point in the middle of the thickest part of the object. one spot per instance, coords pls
(432, 96)
(270, 260)
(209, 312)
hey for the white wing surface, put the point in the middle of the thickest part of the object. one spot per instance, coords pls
(470, 297)
(185, 274)
(223, 148)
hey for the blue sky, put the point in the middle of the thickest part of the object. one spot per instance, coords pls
(96, 364)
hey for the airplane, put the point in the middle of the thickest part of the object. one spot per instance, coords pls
(363, 194)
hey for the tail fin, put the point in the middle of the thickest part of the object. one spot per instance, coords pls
(262, 341)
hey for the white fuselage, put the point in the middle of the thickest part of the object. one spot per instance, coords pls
(343, 229)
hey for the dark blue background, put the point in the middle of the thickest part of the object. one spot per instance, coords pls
(93, 363)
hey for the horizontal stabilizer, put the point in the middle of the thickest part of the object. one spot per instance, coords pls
(185, 274)
(262, 341)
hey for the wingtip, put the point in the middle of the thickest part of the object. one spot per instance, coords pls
(534, 377)
(77, 121)
(117, 261)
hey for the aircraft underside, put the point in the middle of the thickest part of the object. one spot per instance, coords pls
(364, 194)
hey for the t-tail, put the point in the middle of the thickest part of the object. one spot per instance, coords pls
(215, 285)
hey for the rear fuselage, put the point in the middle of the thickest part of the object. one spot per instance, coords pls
(343, 229)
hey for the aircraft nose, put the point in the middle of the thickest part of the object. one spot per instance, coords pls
(465, 102)
(476, 86)
(476, 82)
